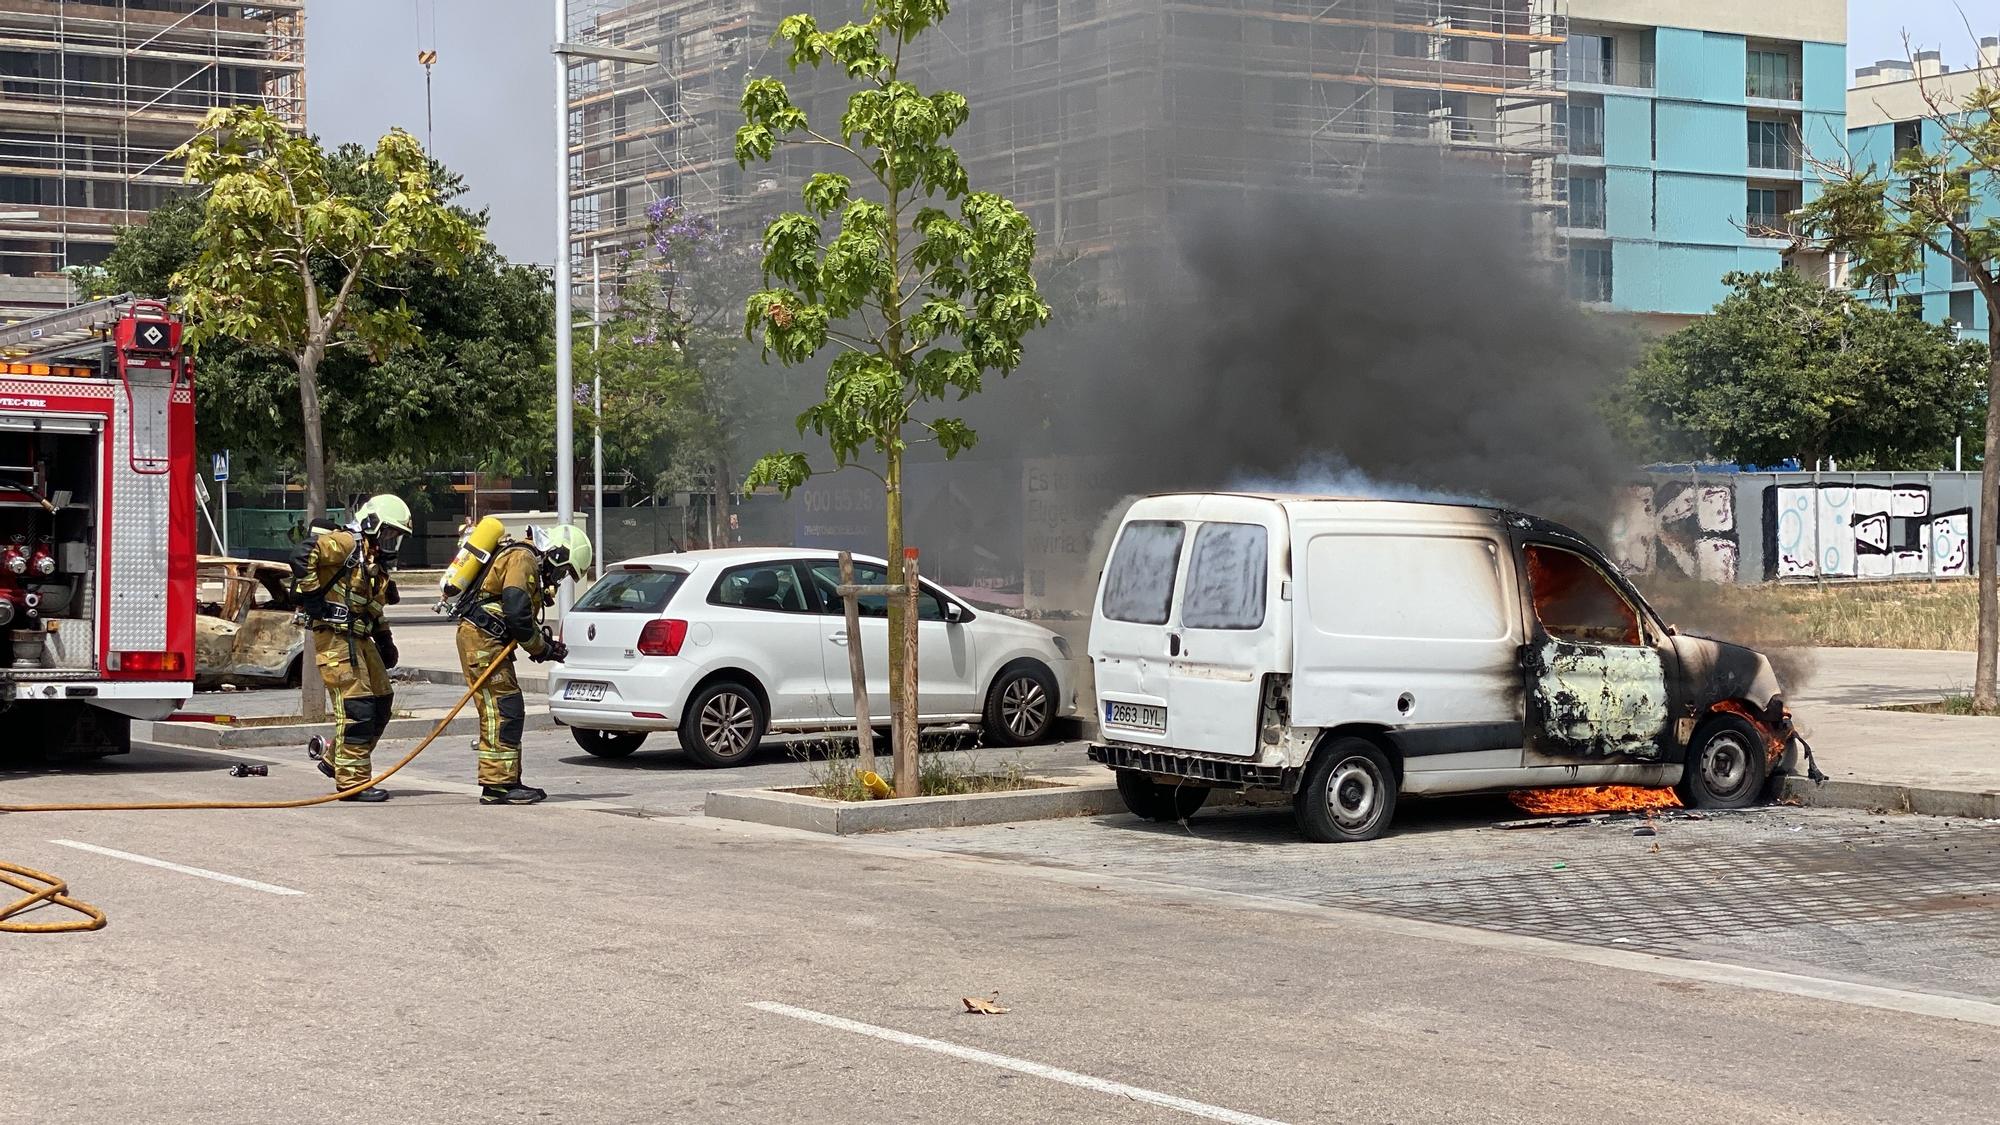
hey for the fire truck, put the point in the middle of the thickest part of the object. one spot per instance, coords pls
(97, 526)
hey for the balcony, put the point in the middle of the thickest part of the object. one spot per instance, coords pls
(1585, 214)
(1616, 72)
(1774, 87)
(1774, 146)
(1767, 224)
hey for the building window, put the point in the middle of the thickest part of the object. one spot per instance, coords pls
(1909, 135)
(1961, 309)
(1583, 121)
(1590, 274)
(1910, 305)
(1767, 212)
(1586, 202)
(1773, 145)
(1773, 75)
(1590, 58)
(1959, 274)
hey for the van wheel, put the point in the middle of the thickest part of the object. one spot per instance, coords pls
(723, 725)
(1726, 765)
(1348, 793)
(608, 743)
(1021, 705)
(1152, 800)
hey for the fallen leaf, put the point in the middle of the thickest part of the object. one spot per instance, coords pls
(980, 1007)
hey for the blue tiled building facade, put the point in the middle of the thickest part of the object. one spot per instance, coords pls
(1886, 111)
(1687, 129)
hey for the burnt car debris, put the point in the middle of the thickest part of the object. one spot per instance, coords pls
(244, 633)
(1349, 651)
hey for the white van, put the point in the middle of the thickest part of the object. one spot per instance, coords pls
(1345, 651)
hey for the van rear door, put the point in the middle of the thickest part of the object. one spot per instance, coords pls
(1189, 623)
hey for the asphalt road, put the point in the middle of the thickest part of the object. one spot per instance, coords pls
(584, 961)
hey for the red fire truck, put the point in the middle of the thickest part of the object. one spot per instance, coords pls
(97, 526)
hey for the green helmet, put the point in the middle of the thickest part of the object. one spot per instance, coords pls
(566, 547)
(383, 513)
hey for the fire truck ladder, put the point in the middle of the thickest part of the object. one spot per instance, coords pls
(57, 334)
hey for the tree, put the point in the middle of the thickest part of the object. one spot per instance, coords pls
(1885, 223)
(287, 251)
(1786, 367)
(484, 347)
(918, 303)
(675, 405)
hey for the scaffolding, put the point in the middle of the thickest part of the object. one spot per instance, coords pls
(1105, 120)
(96, 94)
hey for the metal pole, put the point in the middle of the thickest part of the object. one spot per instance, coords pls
(225, 514)
(565, 394)
(597, 403)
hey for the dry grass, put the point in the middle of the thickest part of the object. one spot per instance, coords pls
(835, 777)
(1926, 615)
(1949, 705)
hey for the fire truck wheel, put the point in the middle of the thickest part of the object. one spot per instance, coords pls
(1726, 765)
(608, 743)
(1348, 793)
(1159, 801)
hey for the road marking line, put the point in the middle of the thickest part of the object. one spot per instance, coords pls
(1023, 1066)
(267, 888)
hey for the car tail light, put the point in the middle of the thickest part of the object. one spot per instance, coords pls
(662, 638)
(171, 663)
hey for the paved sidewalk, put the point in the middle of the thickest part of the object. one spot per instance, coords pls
(1939, 764)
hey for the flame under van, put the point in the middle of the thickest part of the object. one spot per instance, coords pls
(1347, 651)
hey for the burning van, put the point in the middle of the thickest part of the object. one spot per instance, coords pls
(1347, 651)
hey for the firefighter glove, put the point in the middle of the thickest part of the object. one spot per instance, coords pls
(555, 650)
(386, 645)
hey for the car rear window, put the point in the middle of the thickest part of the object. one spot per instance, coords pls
(631, 591)
(1226, 577)
(1139, 583)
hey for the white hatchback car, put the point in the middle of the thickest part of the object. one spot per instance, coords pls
(724, 646)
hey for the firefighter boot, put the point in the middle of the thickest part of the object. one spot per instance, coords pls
(512, 794)
(370, 796)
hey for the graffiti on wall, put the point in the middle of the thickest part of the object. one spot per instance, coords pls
(1683, 527)
(1862, 531)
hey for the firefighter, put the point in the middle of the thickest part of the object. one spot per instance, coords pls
(341, 585)
(521, 581)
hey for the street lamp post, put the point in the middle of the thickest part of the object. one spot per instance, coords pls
(564, 51)
(597, 401)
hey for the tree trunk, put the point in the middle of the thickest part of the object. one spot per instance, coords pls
(312, 690)
(724, 486)
(898, 671)
(1984, 696)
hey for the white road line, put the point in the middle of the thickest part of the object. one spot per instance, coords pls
(267, 888)
(1023, 1066)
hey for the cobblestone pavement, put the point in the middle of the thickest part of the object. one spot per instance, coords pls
(1899, 901)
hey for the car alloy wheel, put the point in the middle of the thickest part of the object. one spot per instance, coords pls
(728, 725)
(1024, 707)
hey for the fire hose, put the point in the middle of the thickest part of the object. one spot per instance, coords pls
(42, 887)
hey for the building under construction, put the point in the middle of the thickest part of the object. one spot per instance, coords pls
(95, 95)
(1105, 120)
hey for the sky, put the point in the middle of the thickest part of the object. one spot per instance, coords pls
(494, 86)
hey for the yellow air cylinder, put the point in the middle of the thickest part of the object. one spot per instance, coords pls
(474, 552)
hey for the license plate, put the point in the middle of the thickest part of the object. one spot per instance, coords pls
(1140, 716)
(584, 692)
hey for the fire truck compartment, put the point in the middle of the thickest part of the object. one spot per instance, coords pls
(51, 477)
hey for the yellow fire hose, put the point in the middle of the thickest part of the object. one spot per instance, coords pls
(43, 887)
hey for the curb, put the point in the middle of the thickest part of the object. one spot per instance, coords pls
(1873, 795)
(456, 678)
(847, 818)
(225, 736)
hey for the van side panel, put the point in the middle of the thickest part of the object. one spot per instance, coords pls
(1411, 626)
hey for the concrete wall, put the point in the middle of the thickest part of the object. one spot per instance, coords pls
(1820, 20)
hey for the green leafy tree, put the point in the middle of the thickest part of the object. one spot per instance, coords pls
(1929, 202)
(288, 254)
(484, 348)
(918, 303)
(1786, 367)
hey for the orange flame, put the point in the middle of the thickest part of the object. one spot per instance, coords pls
(1576, 800)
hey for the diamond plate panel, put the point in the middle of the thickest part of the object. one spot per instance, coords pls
(146, 398)
(139, 531)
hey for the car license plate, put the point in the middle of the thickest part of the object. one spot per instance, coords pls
(584, 692)
(1137, 715)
